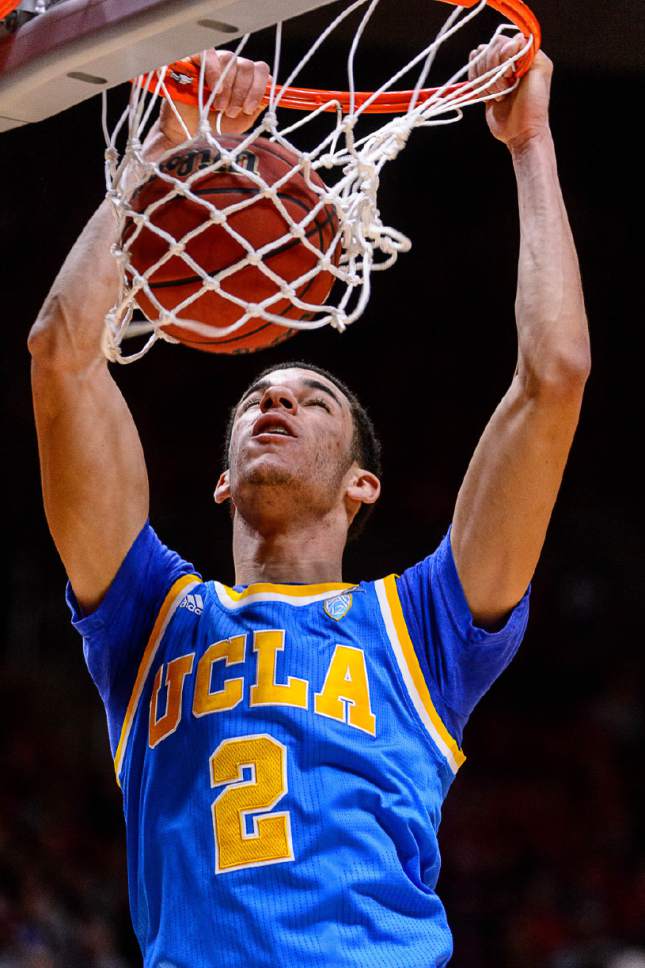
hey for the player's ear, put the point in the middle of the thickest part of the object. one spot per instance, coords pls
(363, 488)
(223, 488)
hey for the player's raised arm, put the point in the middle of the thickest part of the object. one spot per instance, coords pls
(94, 479)
(506, 499)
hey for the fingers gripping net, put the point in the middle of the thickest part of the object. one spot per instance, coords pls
(342, 173)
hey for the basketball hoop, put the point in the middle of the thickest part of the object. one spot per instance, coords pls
(341, 174)
(182, 79)
(6, 6)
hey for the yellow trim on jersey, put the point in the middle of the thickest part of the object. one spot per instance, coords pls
(296, 591)
(288, 594)
(412, 674)
(174, 596)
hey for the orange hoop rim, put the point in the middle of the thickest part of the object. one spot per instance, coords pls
(7, 6)
(388, 102)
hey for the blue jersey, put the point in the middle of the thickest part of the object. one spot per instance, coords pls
(284, 752)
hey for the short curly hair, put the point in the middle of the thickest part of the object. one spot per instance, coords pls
(366, 447)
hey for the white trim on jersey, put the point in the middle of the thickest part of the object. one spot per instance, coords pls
(288, 595)
(408, 664)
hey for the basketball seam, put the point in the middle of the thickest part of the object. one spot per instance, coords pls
(316, 227)
(223, 341)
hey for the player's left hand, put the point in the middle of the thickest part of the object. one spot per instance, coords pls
(517, 117)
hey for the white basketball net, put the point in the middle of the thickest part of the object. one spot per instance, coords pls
(349, 165)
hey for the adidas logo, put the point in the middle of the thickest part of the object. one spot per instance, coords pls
(194, 603)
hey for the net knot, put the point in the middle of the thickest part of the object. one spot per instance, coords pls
(346, 127)
(400, 132)
(270, 121)
(327, 161)
(367, 172)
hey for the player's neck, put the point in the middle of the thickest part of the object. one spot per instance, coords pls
(300, 552)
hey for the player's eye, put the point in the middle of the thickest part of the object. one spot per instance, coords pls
(252, 401)
(317, 402)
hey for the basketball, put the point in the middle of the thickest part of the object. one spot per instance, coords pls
(215, 249)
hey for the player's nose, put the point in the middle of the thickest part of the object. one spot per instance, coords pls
(278, 396)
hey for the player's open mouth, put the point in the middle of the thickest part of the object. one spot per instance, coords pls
(272, 425)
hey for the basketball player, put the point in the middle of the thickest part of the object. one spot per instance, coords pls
(284, 746)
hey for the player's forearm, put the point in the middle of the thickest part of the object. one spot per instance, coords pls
(552, 325)
(68, 330)
(93, 472)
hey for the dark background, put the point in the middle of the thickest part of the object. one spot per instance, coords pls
(543, 836)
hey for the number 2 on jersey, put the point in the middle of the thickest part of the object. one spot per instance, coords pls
(270, 841)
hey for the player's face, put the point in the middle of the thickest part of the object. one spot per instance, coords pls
(291, 440)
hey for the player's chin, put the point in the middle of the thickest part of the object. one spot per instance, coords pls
(270, 450)
(267, 466)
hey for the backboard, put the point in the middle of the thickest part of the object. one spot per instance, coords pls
(76, 48)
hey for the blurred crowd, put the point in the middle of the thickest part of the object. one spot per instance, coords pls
(63, 900)
(544, 851)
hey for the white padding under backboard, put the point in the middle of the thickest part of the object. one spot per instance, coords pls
(81, 47)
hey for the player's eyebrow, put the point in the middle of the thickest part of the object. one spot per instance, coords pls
(311, 384)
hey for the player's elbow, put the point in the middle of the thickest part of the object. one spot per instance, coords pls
(55, 342)
(561, 374)
(41, 340)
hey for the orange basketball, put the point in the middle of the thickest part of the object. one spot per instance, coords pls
(215, 249)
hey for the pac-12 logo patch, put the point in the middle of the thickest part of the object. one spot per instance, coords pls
(338, 606)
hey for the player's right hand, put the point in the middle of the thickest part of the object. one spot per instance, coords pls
(239, 102)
